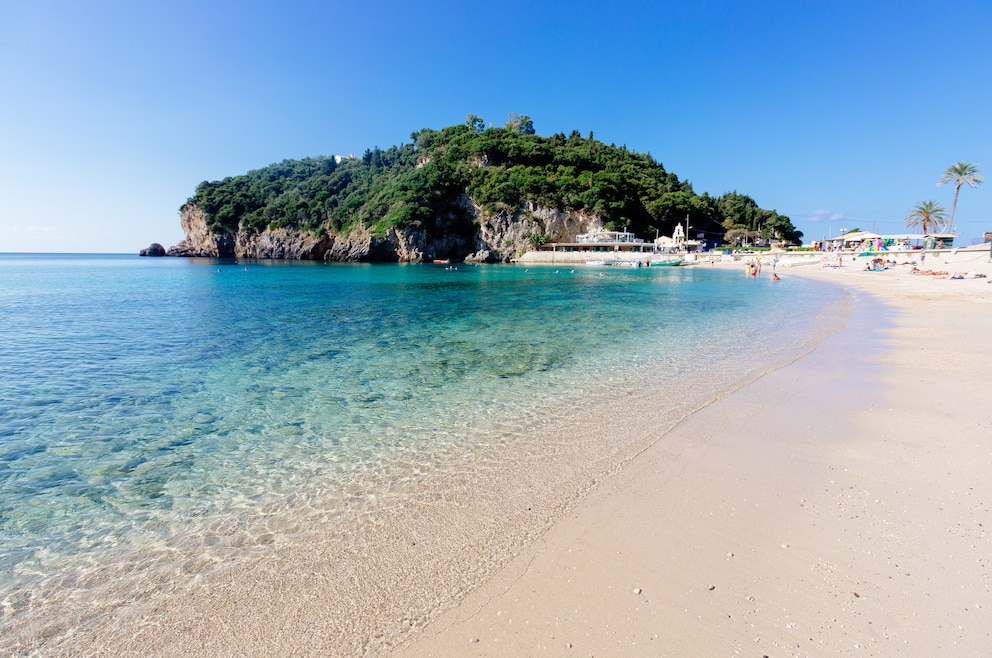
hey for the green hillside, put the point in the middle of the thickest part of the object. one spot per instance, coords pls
(421, 185)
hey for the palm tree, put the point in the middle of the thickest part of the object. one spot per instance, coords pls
(927, 215)
(960, 173)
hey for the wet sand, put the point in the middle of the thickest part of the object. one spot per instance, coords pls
(838, 505)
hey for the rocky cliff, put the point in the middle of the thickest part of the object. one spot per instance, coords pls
(498, 238)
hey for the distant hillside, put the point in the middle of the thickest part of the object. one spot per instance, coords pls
(457, 192)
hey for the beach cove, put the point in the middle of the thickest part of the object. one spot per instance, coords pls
(724, 521)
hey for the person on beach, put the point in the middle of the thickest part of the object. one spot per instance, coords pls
(775, 277)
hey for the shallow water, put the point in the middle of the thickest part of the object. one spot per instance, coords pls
(176, 414)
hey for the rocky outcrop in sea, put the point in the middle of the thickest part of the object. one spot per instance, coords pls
(154, 249)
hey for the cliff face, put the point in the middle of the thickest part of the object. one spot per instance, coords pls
(199, 240)
(506, 235)
(498, 238)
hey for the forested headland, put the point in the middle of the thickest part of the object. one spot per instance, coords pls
(444, 184)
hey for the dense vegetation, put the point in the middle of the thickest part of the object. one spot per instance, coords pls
(422, 185)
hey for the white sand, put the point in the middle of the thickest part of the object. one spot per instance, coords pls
(839, 505)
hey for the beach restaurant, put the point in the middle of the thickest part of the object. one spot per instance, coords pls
(622, 241)
(868, 241)
(601, 240)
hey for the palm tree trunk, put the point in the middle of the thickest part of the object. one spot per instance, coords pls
(954, 204)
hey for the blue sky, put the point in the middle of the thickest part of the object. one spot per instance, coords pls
(837, 114)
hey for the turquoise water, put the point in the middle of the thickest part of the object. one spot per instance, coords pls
(153, 405)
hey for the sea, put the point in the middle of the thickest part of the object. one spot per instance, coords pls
(174, 416)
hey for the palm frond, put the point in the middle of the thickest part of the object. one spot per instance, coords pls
(928, 216)
(961, 172)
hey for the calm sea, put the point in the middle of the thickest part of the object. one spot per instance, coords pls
(152, 409)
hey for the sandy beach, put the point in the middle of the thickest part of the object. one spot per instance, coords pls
(839, 505)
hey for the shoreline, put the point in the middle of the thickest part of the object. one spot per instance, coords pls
(836, 505)
(358, 585)
(704, 499)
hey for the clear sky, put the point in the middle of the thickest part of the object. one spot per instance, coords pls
(837, 114)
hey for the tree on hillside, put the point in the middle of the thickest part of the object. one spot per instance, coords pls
(928, 216)
(959, 174)
(741, 213)
(476, 123)
(519, 124)
(779, 227)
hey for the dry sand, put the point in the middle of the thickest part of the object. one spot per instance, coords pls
(838, 505)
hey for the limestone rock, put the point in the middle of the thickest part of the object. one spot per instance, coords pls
(497, 238)
(481, 256)
(200, 241)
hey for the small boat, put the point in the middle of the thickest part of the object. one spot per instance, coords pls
(598, 263)
(668, 263)
(442, 261)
